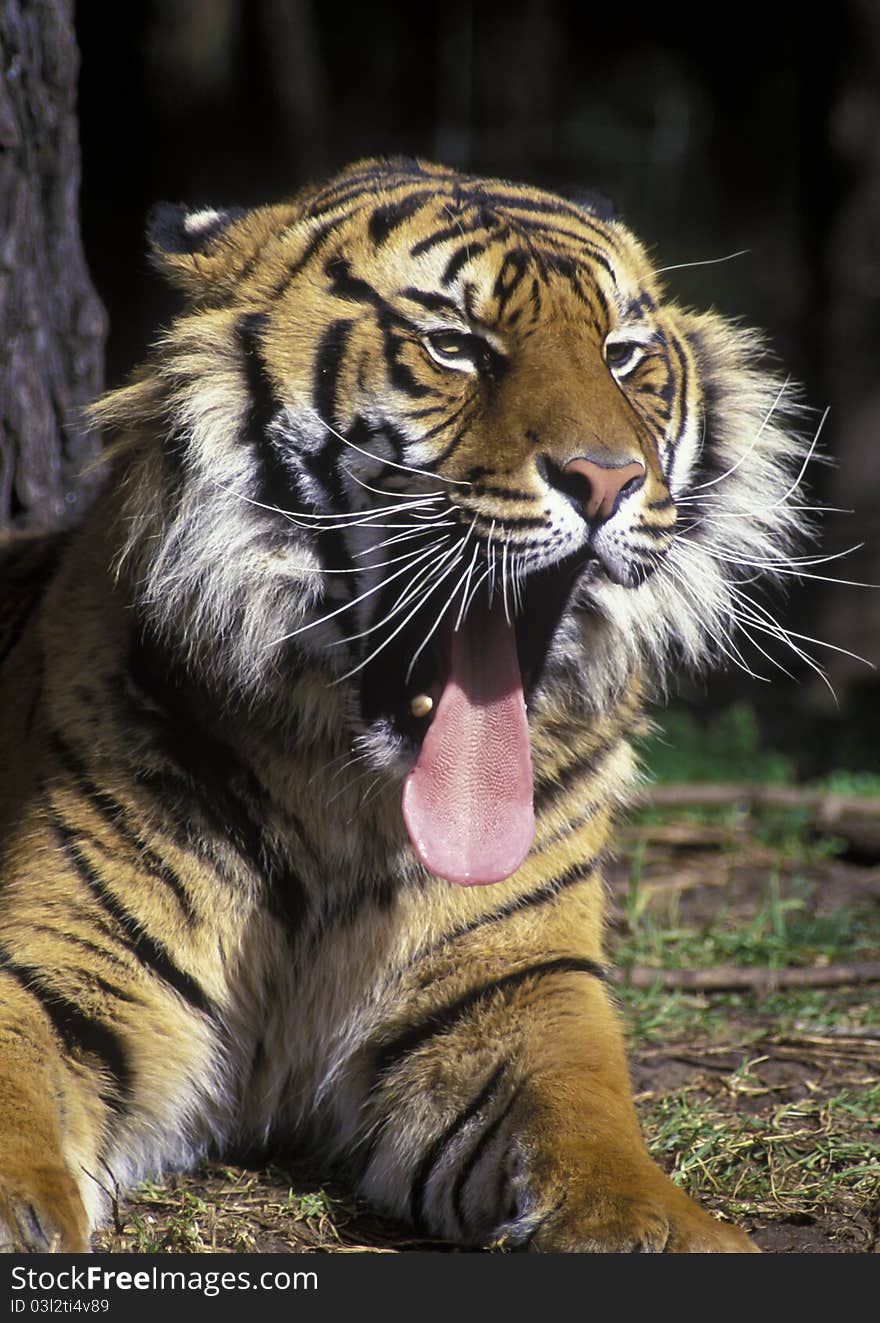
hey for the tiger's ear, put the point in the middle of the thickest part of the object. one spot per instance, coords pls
(204, 250)
(590, 199)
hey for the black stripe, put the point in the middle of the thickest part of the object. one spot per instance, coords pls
(206, 778)
(445, 423)
(27, 568)
(460, 260)
(553, 233)
(709, 464)
(315, 244)
(681, 390)
(277, 480)
(15, 623)
(400, 374)
(433, 464)
(470, 1164)
(432, 1156)
(80, 1033)
(323, 466)
(458, 231)
(386, 219)
(362, 185)
(148, 950)
(550, 205)
(433, 302)
(504, 493)
(548, 790)
(548, 891)
(351, 288)
(92, 949)
(389, 1054)
(342, 910)
(654, 530)
(328, 365)
(510, 277)
(113, 813)
(524, 521)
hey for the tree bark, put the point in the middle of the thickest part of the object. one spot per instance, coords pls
(52, 325)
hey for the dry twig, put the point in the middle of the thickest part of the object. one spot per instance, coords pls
(758, 979)
(855, 818)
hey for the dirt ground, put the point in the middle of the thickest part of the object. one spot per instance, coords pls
(756, 1104)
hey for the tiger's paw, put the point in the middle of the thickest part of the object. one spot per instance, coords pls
(636, 1226)
(646, 1214)
(42, 1213)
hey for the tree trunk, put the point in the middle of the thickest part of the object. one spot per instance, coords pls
(52, 325)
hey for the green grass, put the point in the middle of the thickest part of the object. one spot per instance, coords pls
(783, 931)
(728, 748)
(729, 1140)
(798, 1158)
(731, 747)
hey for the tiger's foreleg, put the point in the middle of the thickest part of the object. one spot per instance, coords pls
(44, 1125)
(507, 1117)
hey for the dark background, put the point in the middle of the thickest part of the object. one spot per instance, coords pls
(742, 127)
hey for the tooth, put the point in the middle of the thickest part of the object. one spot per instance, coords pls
(421, 705)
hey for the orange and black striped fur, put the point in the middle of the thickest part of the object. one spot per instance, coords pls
(399, 400)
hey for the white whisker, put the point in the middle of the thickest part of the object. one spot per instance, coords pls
(330, 520)
(346, 606)
(774, 563)
(380, 565)
(384, 644)
(709, 261)
(804, 638)
(744, 456)
(385, 491)
(464, 596)
(684, 590)
(404, 537)
(476, 587)
(406, 468)
(404, 597)
(809, 455)
(504, 579)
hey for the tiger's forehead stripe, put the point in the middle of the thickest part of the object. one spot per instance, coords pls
(579, 254)
(491, 200)
(460, 192)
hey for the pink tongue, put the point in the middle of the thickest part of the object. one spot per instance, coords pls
(467, 803)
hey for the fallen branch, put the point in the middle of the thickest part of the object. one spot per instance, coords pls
(855, 818)
(724, 978)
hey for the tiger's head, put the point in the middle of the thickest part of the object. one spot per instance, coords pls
(444, 440)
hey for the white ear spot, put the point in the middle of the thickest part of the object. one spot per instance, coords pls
(197, 222)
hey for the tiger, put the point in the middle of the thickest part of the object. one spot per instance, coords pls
(318, 728)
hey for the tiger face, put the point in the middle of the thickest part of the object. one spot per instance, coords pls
(467, 427)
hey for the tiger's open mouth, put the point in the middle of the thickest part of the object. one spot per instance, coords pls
(462, 708)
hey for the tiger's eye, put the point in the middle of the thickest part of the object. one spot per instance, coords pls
(454, 344)
(617, 354)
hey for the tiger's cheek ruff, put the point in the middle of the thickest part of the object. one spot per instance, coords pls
(413, 431)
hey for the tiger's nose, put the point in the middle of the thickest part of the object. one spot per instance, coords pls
(602, 487)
